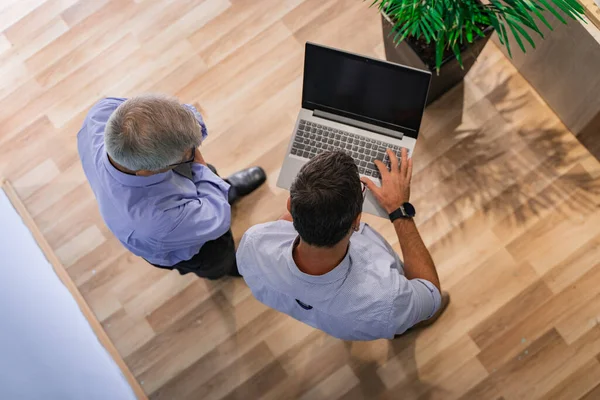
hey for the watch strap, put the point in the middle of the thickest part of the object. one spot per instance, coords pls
(398, 213)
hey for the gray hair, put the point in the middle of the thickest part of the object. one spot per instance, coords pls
(151, 132)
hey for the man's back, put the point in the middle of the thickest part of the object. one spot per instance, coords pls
(365, 297)
(166, 217)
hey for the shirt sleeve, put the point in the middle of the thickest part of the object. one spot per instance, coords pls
(203, 219)
(199, 119)
(242, 254)
(416, 300)
(208, 183)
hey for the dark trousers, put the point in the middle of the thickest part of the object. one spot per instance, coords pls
(214, 260)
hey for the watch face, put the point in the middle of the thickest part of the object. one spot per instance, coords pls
(409, 209)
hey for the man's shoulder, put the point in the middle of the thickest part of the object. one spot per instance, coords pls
(377, 267)
(108, 102)
(373, 245)
(98, 116)
(271, 230)
(263, 240)
(103, 108)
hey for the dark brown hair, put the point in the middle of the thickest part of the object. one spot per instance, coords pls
(326, 197)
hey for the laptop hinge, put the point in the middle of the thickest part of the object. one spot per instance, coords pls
(357, 124)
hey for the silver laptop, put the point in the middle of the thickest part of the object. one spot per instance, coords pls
(358, 105)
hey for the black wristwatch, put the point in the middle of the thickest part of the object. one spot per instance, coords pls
(406, 210)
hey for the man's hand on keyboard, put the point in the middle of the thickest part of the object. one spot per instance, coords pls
(395, 182)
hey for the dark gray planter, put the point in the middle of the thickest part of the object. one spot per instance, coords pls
(450, 72)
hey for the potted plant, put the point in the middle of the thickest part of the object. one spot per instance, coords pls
(446, 36)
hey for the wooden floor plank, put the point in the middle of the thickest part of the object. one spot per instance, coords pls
(578, 384)
(521, 333)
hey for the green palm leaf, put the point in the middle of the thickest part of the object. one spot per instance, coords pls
(451, 24)
(514, 25)
(506, 41)
(553, 11)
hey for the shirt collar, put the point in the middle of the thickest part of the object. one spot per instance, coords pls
(335, 274)
(133, 180)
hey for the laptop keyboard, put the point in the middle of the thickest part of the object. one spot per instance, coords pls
(312, 139)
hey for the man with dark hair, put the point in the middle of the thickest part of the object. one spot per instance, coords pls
(322, 266)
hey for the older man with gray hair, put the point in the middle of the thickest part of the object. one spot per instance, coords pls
(155, 191)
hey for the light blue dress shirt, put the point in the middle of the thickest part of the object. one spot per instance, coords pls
(365, 297)
(165, 218)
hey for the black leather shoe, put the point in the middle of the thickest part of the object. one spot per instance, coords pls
(245, 182)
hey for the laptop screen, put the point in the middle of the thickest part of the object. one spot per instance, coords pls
(380, 93)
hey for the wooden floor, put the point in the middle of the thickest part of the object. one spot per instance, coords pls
(507, 201)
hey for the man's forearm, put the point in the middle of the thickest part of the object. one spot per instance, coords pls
(417, 260)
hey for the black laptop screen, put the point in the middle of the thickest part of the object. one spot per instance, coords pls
(372, 91)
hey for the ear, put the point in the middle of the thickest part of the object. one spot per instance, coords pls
(289, 204)
(356, 223)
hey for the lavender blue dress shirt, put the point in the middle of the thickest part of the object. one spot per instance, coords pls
(365, 297)
(164, 218)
